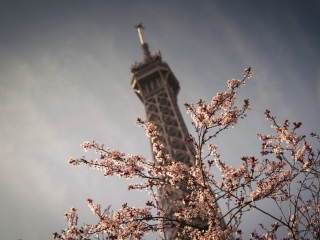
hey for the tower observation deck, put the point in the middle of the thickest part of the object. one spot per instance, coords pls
(157, 88)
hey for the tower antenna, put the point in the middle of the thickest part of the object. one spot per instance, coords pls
(144, 45)
(139, 28)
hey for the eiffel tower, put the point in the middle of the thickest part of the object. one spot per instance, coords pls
(157, 88)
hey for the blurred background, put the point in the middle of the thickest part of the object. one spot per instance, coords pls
(65, 79)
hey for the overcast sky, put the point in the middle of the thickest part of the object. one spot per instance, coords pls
(65, 79)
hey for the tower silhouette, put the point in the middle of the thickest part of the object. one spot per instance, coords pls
(157, 87)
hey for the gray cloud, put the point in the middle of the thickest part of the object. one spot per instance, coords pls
(65, 78)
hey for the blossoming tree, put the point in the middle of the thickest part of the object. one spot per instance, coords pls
(287, 174)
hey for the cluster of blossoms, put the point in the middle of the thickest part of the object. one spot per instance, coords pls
(289, 177)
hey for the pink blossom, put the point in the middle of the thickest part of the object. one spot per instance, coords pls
(286, 157)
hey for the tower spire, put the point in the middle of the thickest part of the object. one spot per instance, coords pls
(144, 45)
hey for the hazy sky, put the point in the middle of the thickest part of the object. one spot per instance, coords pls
(65, 79)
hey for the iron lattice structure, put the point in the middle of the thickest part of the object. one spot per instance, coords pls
(157, 88)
